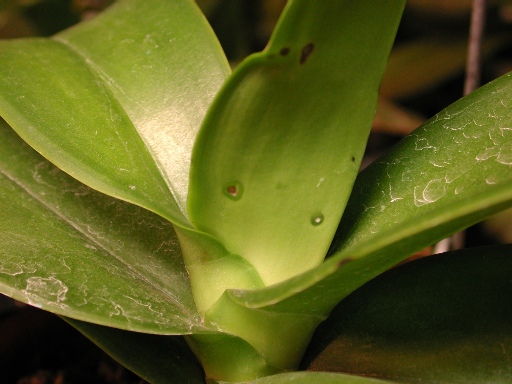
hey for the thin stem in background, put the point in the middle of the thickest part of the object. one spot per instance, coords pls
(476, 34)
(472, 81)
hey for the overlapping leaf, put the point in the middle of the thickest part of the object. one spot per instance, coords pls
(427, 319)
(127, 130)
(117, 102)
(79, 253)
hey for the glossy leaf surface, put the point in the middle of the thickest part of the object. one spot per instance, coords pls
(442, 319)
(92, 98)
(288, 132)
(75, 252)
(450, 173)
(173, 68)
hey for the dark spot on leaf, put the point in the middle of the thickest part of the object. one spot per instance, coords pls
(232, 190)
(353, 159)
(284, 51)
(344, 261)
(306, 51)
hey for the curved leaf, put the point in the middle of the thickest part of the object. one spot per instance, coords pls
(78, 253)
(94, 97)
(156, 358)
(164, 64)
(288, 131)
(447, 175)
(442, 319)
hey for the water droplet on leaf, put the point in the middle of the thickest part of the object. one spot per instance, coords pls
(317, 219)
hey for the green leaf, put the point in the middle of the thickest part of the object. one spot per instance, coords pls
(447, 175)
(116, 102)
(156, 358)
(442, 319)
(73, 251)
(288, 131)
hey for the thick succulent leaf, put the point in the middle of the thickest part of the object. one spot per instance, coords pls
(155, 358)
(275, 342)
(93, 98)
(79, 253)
(288, 132)
(212, 269)
(453, 171)
(442, 319)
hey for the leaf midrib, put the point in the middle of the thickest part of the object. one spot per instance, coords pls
(96, 70)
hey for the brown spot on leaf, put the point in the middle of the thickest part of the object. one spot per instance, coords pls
(232, 190)
(284, 51)
(306, 52)
(344, 261)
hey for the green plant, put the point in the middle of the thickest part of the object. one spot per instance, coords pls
(259, 182)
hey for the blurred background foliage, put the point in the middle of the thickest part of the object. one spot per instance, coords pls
(425, 71)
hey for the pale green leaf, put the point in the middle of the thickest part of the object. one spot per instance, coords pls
(164, 65)
(116, 102)
(288, 132)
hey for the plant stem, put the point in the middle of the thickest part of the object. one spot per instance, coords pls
(476, 33)
(472, 80)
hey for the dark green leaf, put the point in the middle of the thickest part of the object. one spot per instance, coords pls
(443, 319)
